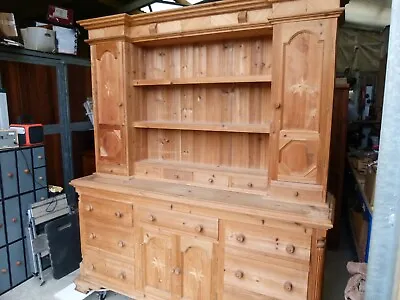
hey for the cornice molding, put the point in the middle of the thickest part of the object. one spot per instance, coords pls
(104, 22)
(306, 17)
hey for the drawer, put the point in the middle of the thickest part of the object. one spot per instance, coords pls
(39, 158)
(211, 179)
(269, 279)
(9, 174)
(13, 221)
(40, 178)
(25, 176)
(26, 201)
(115, 241)
(17, 263)
(2, 226)
(193, 224)
(148, 171)
(173, 174)
(4, 271)
(249, 182)
(106, 211)
(269, 241)
(41, 194)
(296, 191)
(109, 271)
(234, 293)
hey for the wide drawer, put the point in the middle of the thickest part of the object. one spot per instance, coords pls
(109, 271)
(265, 278)
(106, 211)
(193, 224)
(113, 240)
(269, 241)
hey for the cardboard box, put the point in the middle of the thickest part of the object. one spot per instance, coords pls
(370, 181)
(39, 39)
(8, 27)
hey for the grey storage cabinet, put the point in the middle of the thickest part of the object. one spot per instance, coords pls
(23, 181)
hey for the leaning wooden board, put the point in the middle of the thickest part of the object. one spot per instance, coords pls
(212, 128)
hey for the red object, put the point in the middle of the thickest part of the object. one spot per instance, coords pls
(29, 134)
(59, 15)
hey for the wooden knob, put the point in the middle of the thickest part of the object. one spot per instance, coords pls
(321, 243)
(177, 271)
(118, 214)
(14, 220)
(277, 105)
(239, 274)
(250, 185)
(92, 236)
(3, 271)
(176, 176)
(122, 276)
(11, 175)
(89, 208)
(288, 286)
(18, 263)
(296, 194)
(199, 228)
(290, 249)
(91, 267)
(121, 244)
(240, 238)
(152, 218)
(211, 180)
(40, 157)
(27, 171)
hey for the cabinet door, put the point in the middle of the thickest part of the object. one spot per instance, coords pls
(9, 174)
(198, 269)
(157, 267)
(25, 170)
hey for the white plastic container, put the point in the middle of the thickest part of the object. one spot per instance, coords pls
(39, 39)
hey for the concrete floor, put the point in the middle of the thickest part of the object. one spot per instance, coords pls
(335, 280)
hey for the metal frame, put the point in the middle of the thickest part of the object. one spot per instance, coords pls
(65, 127)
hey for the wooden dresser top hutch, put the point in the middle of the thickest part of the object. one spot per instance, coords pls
(212, 129)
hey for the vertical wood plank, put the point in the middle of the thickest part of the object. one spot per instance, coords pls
(318, 249)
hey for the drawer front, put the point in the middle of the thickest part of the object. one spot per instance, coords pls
(17, 263)
(296, 191)
(193, 224)
(25, 175)
(269, 241)
(26, 201)
(115, 241)
(41, 195)
(106, 211)
(13, 219)
(267, 279)
(180, 175)
(4, 271)
(211, 179)
(2, 226)
(39, 158)
(40, 178)
(109, 271)
(148, 171)
(9, 174)
(249, 182)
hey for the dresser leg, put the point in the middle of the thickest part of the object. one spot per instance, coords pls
(316, 276)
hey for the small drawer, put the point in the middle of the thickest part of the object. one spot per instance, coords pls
(4, 271)
(2, 227)
(9, 174)
(109, 271)
(39, 159)
(269, 241)
(148, 171)
(41, 194)
(40, 178)
(115, 241)
(269, 279)
(249, 182)
(296, 191)
(193, 224)
(25, 174)
(13, 219)
(17, 263)
(180, 175)
(211, 179)
(106, 211)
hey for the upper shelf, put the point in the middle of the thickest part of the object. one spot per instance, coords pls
(204, 80)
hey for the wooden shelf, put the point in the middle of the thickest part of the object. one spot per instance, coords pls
(221, 127)
(204, 80)
(182, 165)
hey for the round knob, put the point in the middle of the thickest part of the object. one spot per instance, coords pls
(176, 176)
(1, 226)
(296, 194)
(40, 157)
(118, 214)
(199, 228)
(152, 218)
(121, 244)
(11, 175)
(250, 185)
(41, 178)
(290, 249)
(122, 276)
(18, 263)
(211, 180)
(89, 208)
(14, 220)
(120, 104)
(277, 105)
(177, 271)
(27, 171)
(91, 267)
(92, 236)
(321, 243)
(240, 238)
(3, 271)
(288, 286)
(239, 274)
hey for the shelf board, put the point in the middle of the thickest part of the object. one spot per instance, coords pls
(222, 127)
(182, 165)
(204, 80)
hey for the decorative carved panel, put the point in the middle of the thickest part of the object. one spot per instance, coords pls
(111, 144)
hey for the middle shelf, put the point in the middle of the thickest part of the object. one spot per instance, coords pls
(219, 127)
